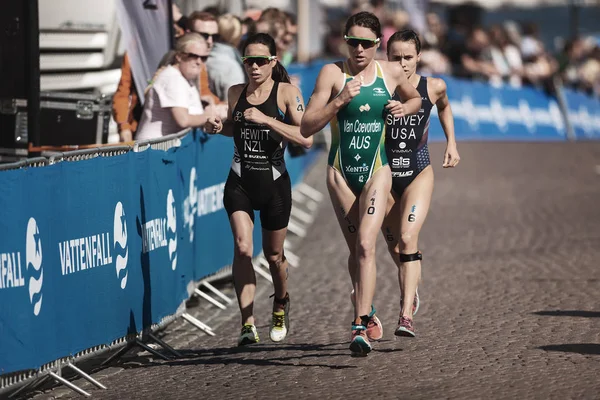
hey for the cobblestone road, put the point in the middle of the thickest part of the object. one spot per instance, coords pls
(510, 299)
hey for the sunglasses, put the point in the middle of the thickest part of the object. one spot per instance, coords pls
(258, 60)
(196, 57)
(364, 42)
(206, 36)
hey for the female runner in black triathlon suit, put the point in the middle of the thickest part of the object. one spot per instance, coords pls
(263, 116)
(412, 174)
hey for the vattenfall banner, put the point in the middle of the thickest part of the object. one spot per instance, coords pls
(93, 250)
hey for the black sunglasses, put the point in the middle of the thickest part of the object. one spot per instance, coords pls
(364, 42)
(195, 56)
(258, 60)
(205, 35)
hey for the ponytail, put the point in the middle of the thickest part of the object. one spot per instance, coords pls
(280, 74)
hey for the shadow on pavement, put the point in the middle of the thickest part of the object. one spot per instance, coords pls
(580, 348)
(240, 355)
(570, 313)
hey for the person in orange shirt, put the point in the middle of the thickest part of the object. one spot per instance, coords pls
(126, 106)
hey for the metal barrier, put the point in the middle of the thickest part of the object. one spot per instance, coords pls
(30, 162)
(163, 143)
(86, 154)
(30, 379)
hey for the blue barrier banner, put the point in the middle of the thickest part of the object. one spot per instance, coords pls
(484, 112)
(93, 250)
(584, 114)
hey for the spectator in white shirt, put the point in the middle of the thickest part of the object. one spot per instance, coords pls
(172, 99)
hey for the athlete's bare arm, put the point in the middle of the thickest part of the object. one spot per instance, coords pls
(410, 97)
(437, 87)
(294, 106)
(321, 109)
(233, 95)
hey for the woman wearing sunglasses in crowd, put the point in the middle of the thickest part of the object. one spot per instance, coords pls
(353, 95)
(263, 116)
(172, 100)
(412, 174)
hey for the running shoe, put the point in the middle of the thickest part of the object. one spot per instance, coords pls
(248, 335)
(280, 322)
(416, 303)
(405, 327)
(374, 326)
(359, 346)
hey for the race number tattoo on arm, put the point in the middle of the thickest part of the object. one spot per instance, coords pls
(300, 106)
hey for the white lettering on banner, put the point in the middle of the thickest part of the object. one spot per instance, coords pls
(120, 242)
(582, 119)
(85, 253)
(210, 199)
(190, 205)
(495, 112)
(154, 234)
(33, 265)
(11, 271)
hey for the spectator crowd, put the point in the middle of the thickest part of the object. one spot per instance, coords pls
(458, 45)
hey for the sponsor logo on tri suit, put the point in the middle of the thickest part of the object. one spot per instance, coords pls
(356, 170)
(362, 127)
(365, 107)
(402, 174)
(402, 148)
(401, 162)
(238, 116)
(379, 92)
(357, 157)
(401, 151)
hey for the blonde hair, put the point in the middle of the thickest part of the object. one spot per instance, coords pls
(181, 45)
(230, 29)
(183, 41)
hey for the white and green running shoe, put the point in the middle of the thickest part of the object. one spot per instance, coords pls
(280, 322)
(248, 336)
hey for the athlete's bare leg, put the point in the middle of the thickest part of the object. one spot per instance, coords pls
(369, 213)
(278, 265)
(401, 229)
(244, 278)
